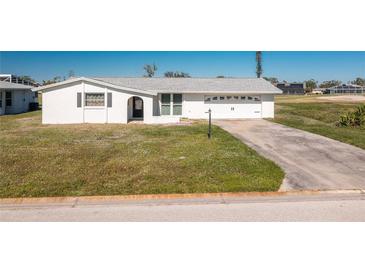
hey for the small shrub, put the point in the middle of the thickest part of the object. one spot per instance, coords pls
(354, 118)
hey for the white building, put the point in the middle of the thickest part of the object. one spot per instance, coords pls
(155, 100)
(346, 88)
(15, 98)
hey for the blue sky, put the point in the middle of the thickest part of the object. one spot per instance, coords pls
(288, 65)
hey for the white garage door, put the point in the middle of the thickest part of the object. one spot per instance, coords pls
(234, 106)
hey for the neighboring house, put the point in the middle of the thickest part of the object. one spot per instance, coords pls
(345, 88)
(155, 100)
(15, 98)
(294, 88)
(17, 80)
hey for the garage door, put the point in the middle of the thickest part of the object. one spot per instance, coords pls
(234, 106)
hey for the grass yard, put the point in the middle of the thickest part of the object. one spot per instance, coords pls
(58, 160)
(315, 115)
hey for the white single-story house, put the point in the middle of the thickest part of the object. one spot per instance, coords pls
(155, 100)
(15, 98)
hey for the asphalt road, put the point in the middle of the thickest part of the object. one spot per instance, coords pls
(319, 207)
(310, 161)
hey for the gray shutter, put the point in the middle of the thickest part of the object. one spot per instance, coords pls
(79, 99)
(110, 101)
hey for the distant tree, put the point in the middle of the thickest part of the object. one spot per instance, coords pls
(71, 73)
(259, 69)
(52, 81)
(330, 83)
(220, 76)
(272, 80)
(359, 81)
(150, 70)
(310, 85)
(176, 74)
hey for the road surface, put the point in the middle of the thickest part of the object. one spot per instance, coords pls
(335, 206)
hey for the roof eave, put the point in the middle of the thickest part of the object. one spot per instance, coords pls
(98, 82)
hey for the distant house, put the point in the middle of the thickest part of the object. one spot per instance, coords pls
(345, 88)
(294, 88)
(17, 80)
(155, 100)
(16, 98)
(318, 91)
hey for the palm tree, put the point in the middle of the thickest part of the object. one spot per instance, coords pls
(258, 64)
(150, 70)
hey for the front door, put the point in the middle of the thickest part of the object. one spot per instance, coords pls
(137, 107)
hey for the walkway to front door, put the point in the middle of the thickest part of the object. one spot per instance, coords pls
(310, 161)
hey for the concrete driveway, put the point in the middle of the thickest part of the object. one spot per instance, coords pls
(310, 161)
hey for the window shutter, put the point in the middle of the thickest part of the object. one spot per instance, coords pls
(79, 99)
(110, 100)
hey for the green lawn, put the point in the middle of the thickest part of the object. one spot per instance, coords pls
(311, 114)
(58, 160)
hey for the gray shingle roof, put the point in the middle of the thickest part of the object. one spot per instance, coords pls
(195, 85)
(8, 85)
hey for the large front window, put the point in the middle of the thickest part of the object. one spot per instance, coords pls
(177, 104)
(165, 104)
(171, 104)
(94, 99)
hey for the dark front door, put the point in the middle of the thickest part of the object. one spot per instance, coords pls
(137, 107)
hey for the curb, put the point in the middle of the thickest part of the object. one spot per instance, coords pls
(140, 197)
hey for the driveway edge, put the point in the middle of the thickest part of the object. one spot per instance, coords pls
(140, 197)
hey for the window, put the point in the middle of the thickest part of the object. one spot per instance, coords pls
(177, 104)
(94, 99)
(229, 97)
(221, 98)
(8, 99)
(235, 97)
(1, 99)
(249, 98)
(165, 104)
(207, 99)
(171, 104)
(243, 97)
(215, 98)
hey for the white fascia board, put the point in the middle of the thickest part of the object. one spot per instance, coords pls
(88, 80)
(224, 92)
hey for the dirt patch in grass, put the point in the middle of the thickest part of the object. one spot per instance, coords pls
(60, 160)
(344, 98)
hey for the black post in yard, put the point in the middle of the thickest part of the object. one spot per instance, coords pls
(210, 124)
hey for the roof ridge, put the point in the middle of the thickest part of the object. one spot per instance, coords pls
(141, 77)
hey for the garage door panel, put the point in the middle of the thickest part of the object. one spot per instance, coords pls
(233, 107)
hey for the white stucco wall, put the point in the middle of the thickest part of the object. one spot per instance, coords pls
(268, 106)
(20, 101)
(60, 105)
